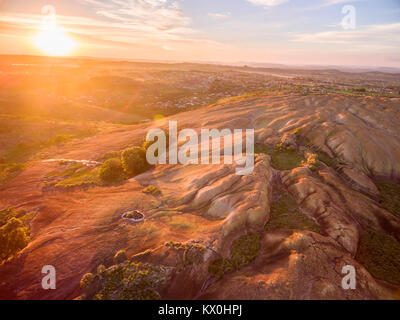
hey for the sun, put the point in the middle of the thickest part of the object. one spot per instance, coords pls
(54, 41)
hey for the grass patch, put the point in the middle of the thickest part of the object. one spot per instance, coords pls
(76, 175)
(380, 255)
(281, 158)
(70, 170)
(148, 230)
(390, 196)
(286, 159)
(152, 190)
(323, 157)
(9, 171)
(243, 251)
(165, 213)
(85, 177)
(285, 213)
(180, 225)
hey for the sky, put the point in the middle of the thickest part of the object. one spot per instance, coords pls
(297, 32)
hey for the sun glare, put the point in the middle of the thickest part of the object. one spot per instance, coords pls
(54, 41)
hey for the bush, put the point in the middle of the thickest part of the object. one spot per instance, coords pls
(152, 190)
(243, 251)
(220, 267)
(111, 171)
(14, 236)
(86, 280)
(134, 160)
(6, 215)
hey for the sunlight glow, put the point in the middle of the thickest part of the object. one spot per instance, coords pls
(54, 41)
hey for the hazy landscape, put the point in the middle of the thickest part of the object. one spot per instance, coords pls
(207, 155)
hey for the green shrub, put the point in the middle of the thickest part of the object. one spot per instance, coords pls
(190, 253)
(14, 236)
(111, 171)
(134, 160)
(243, 251)
(131, 281)
(220, 267)
(6, 215)
(86, 280)
(152, 190)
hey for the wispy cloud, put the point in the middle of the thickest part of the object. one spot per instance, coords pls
(267, 3)
(125, 22)
(383, 36)
(159, 14)
(220, 15)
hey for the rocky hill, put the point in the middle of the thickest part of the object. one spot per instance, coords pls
(324, 194)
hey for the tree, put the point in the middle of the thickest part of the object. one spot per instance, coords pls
(134, 160)
(14, 236)
(112, 171)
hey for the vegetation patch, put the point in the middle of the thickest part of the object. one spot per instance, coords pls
(82, 178)
(390, 196)
(380, 255)
(112, 171)
(124, 281)
(220, 267)
(73, 175)
(189, 253)
(243, 251)
(165, 213)
(9, 171)
(152, 190)
(145, 231)
(281, 158)
(286, 214)
(14, 233)
(330, 162)
(134, 161)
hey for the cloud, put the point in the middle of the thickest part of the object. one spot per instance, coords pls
(333, 2)
(128, 22)
(267, 3)
(160, 14)
(219, 16)
(376, 37)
